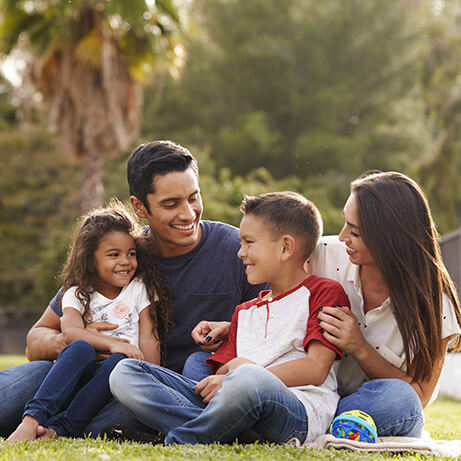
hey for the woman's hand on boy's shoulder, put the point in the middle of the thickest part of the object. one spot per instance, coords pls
(341, 328)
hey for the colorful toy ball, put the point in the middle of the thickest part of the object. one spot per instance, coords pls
(354, 425)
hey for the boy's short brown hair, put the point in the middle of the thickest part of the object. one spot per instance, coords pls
(287, 213)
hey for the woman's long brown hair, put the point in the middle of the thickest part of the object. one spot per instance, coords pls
(80, 269)
(397, 227)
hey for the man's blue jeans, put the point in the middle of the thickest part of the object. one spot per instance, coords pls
(250, 397)
(392, 403)
(17, 386)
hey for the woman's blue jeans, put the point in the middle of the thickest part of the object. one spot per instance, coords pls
(250, 397)
(392, 403)
(74, 390)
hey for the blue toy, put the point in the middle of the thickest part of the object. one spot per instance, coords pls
(354, 425)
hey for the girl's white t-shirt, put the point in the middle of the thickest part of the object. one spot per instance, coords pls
(124, 310)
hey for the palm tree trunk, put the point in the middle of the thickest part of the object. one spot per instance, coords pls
(92, 192)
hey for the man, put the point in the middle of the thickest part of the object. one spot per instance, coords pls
(199, 259)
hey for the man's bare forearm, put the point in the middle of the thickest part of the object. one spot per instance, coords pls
(44, 343)
(44, 340)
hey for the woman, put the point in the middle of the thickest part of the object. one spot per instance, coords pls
(404, 308)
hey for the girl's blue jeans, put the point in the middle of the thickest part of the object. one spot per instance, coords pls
(392, 403)
(74, 390)
(19, 384)
(250, 397)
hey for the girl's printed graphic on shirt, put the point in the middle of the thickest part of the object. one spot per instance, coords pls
(121, 310)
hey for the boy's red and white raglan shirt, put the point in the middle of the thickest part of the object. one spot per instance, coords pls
(277, 330)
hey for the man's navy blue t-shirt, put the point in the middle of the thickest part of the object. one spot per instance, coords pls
(207, 284)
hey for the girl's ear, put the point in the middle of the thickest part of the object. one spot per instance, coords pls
(288, 247)
(138, 207)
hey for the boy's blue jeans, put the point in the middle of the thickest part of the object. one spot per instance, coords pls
(392, 403)
(250, 397)
(74, 390)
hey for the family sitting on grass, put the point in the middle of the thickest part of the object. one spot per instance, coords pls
(319, 326)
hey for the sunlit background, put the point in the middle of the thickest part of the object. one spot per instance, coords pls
(302, 95)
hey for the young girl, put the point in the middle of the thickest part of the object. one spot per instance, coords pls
(100, 285)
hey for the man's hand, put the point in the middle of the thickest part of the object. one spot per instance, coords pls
(208, 387)
(210, 335)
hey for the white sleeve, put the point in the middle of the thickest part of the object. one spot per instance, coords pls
(69, 299)
(450, 326)
(329, 259)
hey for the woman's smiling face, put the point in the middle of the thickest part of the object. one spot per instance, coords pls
(351, 236)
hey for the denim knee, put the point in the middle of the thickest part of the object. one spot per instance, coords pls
(117, 384)
(392, 403)
(195, 366)
(112, 361)
(248, 384)
(80, 348)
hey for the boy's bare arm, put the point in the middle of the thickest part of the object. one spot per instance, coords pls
(312, 369)
(232, 365)
(45, 340)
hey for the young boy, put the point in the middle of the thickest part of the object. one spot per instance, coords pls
(273, 374)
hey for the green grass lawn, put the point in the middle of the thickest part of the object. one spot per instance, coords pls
(443, 421)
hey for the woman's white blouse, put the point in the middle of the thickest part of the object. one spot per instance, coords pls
(378, 326)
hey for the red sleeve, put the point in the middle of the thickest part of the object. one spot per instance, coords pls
(228, 350)
(324, 292)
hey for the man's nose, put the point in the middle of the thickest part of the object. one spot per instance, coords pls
(187, 212)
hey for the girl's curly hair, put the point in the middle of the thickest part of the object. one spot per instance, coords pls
(80, 268)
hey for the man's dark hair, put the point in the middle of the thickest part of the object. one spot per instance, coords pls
(156, 158)
(287, 213)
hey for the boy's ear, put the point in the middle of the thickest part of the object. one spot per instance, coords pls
(138, 207)
(288, 247)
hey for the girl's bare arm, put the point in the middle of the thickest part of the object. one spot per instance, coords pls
(73, 328)
(148, 339)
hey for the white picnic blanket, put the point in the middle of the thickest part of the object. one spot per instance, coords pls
(424, 445)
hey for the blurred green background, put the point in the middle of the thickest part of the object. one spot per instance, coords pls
(269, 95)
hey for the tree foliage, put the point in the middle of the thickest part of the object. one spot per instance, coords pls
(85, 58)
(440, 171)
(321, 90)
(276, 95)
(39, 199)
